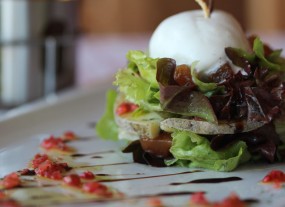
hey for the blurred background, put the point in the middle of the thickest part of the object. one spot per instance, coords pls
(48, 46)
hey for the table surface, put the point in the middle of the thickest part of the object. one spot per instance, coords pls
(22, 130)
(54, 113)
(79, 108)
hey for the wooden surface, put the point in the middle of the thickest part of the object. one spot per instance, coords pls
(265, 16)
(113, 16)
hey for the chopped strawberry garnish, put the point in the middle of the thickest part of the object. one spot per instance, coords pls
(199, 199)
(9, 203)
(10, 181)
(274, 176)
(125, 108)
(38, 159)
(54, 143)
(72, 180)
(231, 201)
(87, 175)
(96, 188)
(155, 202)
(45, 167)
(133, 107)
(2, 195)
(68, 136)
(50, 169)
(64, 166)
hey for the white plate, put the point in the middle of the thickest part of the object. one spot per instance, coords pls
(23, 134)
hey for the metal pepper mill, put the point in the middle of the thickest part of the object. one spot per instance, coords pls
(37, 56)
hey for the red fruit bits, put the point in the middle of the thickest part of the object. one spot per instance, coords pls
(125, 108)
(10, 181)
(87, 175)
(96, 188)
(54, 143)
(72, 180)
(275, 177)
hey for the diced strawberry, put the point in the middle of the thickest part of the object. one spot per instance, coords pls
(68, 136)
(133, 107)
(274, 176)
(72, 180)
(199, 199)
(125, 108)
(87, 175)
(96, 188)
(55, 175)
(154, 202)
(122, 109)
(231, 201)
(9, 203)
(64, 166)
(2, 195)
(11, 181)
(50, 169)
(54, 143)
(38, 159)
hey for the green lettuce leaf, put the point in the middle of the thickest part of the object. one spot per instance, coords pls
(192, 150)
(208, 89)
(241, 53)
(144, 64)
(106, 127)
(273, 61)
(137, 90)
(258, 49)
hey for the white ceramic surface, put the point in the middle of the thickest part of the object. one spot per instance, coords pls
(22, 133)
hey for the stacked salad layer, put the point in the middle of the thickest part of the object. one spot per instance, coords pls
(256, 94)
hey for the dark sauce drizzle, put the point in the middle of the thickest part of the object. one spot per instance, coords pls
(251, 201)
(147, 177)
(111, 164)
(93, 153)
(96, 157)
(27, 172)
(104, 174)
(209, 180)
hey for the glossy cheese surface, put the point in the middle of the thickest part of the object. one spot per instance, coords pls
(189, 36)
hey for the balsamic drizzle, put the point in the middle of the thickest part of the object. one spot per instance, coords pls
(209, 180)
(147, 177)
(93, 153)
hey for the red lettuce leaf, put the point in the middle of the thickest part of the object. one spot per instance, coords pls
(182, 100)
(261, 142)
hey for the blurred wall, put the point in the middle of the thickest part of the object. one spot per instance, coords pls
(265, 15)
(127, 16)
(133, 16)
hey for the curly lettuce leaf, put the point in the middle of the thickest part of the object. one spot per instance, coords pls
(182, 100)
(192, 150)
(203, 87)
(106, 128)
(273, 60)
(137, 90)
(144, 64)
(258, 49)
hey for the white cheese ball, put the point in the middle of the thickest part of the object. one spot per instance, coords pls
(189, 36)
